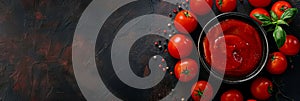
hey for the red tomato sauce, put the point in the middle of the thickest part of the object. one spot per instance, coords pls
(236, 48)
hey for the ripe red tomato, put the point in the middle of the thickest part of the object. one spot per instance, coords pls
(259, 3)
(277, 63)
(262, 88)
(279, 7)
(186, 69)
(201, 7)
(180, 46)
(226, 5)
(291, 46)
(202, 89)
(259, 11)
(232, 95)
(185, 22)
(251, 100)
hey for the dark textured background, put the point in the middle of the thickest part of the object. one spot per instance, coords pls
(35, 51)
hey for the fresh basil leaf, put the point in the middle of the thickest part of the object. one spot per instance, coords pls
(279, 35)
(262, 17)
(266, 23)
(282, 22)
(274, 17)
(289, 14)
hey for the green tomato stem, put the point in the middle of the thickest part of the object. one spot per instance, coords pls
(199, 93)
(186, 71)
(220, 2)
(187, 14)
(283, 8)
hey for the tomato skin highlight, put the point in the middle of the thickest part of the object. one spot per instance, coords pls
(180, 46)
(262, 88)
(185, 22)
(259, 11)
(232, 95)
(226, 5)
(277, 63)
(186, 70)
(201, 7)
(291, 46)
(202, 90)
(259, 3)
(279, 7)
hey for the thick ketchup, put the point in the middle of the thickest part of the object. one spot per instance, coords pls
(233, 46)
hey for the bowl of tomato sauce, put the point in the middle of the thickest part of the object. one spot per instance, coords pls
(233, 47)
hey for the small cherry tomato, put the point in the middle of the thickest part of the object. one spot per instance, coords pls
(185, 22)
(279, 7)
(259, 11)
(277, 63)
(202, 90)
(259, 3)
(201, 7)
(251, 100)
(291, 46)
(186, 69)
(180, 46)
(226, 5)
(232, 95)
(262, 88)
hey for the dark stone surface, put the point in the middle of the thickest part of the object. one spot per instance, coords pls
(35, 51)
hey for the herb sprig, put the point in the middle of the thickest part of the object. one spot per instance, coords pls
(275, 24)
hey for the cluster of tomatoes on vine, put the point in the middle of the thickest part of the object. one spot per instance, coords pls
(180, 46)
